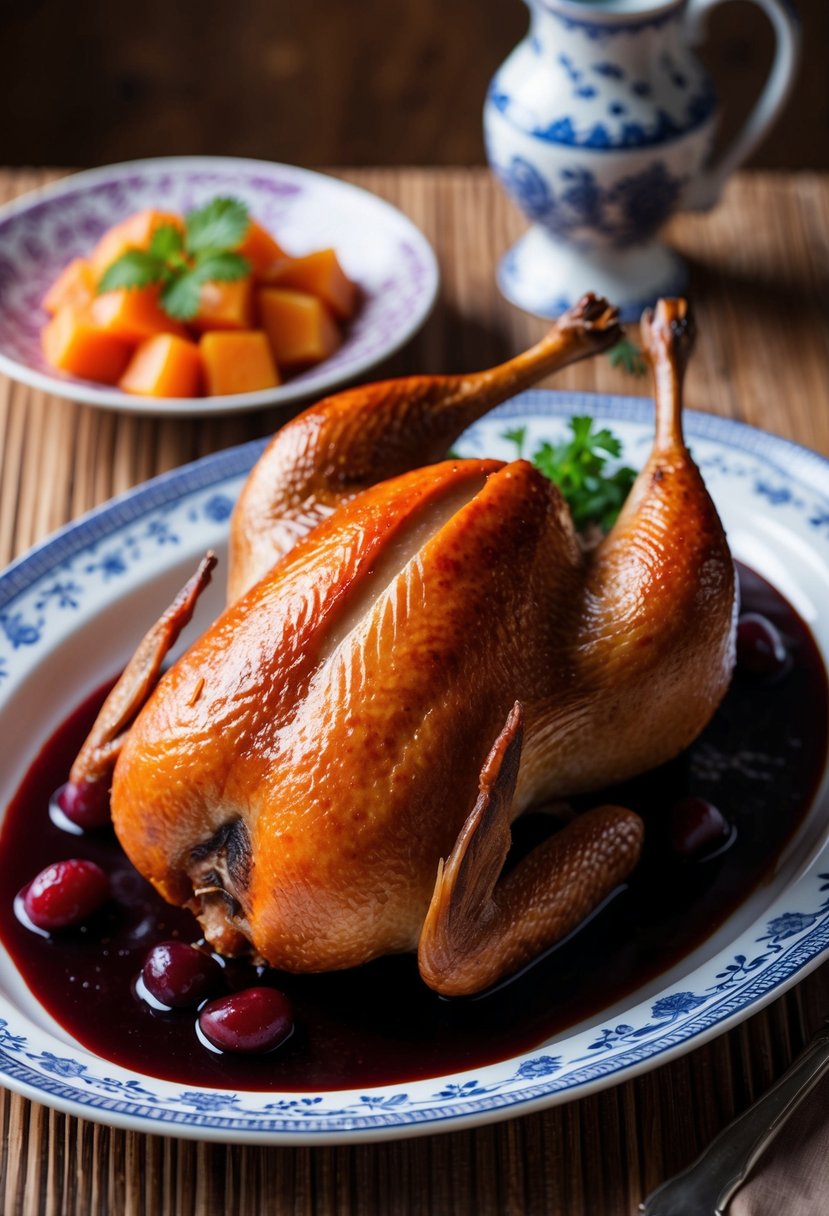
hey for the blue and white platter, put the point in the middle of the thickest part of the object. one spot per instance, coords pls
(70, 613)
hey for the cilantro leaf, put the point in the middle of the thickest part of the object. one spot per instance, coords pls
(220, 224)
(577, 465)
(184, 261)
(222, 267)
(135, 268)
(606, 441)
(628, 356)
(180, 296)
(518, 436)
(166, 241)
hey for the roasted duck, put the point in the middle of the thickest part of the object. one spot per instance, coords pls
(414, 653)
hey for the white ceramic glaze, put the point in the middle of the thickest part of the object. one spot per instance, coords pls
(382, 250)
(70, 612)
(600, 126)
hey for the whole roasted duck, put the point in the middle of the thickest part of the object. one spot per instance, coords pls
(414, 653)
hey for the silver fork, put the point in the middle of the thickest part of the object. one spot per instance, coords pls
(706, 1186)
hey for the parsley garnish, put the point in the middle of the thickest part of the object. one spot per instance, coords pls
(577, 467)
(182, 262)
(628, 356)
(518, 436)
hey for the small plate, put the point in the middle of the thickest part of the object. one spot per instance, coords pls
(70, 612)
(379, 247)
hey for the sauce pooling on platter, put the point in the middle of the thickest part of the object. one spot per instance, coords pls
(758, 762)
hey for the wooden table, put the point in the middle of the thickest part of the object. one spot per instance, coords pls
(761, 289)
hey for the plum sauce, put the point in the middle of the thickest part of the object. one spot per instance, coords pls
(379, 1024)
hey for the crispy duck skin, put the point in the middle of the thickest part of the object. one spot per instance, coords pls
(411, 656)
(348, 443)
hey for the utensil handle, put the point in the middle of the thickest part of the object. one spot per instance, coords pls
(704, 191)
(724, 1165)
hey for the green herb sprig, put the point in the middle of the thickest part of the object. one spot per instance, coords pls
(182, 262)
(627, 355)
(577, 465)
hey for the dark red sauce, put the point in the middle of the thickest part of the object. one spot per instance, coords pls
(759, 761)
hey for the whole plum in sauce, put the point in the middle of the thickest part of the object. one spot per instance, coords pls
(759, 763)
(179, 975)
(65, 894)
(697, 827)
(85, 803)
(253, 1020)
(761, 650)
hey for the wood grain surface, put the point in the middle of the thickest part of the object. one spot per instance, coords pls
(761, 290)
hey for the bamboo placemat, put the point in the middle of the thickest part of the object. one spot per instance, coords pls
(761, 289)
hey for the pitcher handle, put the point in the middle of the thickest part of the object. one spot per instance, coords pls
(706, 188)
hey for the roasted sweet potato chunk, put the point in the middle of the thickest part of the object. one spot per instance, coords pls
(320, 274)
(300, 328)
(237, 362)
(73, 343)
(164, 365)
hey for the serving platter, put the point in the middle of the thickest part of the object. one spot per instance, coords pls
(70, 612)
(378, 246)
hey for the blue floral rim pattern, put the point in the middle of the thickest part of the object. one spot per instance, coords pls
(780, 477)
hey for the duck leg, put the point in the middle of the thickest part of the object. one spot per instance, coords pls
(482, 927)
(91, 773)
(656, 625)
(351, 441)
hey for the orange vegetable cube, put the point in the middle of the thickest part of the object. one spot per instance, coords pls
(260, 249)
(73, 343)
(237, 362)
(135, 232)
(133, 313)
(300, 328)
(164, 365)
(74, 285)
(321, 275)
(225, 305)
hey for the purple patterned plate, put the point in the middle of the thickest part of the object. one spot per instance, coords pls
(378, 246)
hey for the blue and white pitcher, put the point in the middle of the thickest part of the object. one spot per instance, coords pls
(600, 126)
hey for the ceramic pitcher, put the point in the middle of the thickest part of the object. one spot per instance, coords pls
(600, 126)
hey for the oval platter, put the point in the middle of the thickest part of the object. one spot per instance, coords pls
(70, 611)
